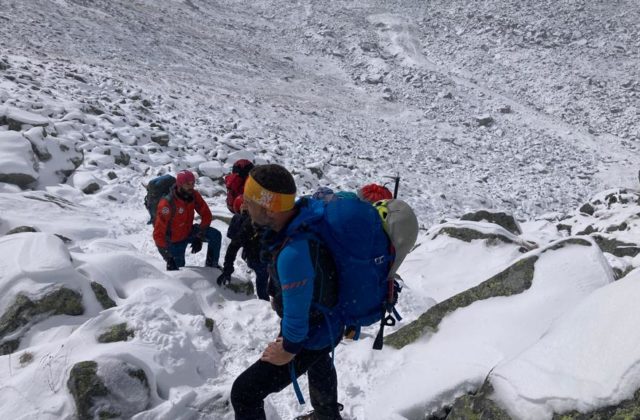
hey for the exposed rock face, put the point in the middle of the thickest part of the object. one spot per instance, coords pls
(587, 209)
(21, 229)
(102, 295)
(499, 218)
(628, 409)
(617, 248)
(91, 188)
(25, 311)
(108, 388)
(17, 160)
(160, 138)
(481, 406)
(241, 287)
(511, 281)
(118, 332)
(16, 118)
(85, 386)
(468, 235)
(477, 406)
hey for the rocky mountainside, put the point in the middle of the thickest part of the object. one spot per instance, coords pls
(524, 107)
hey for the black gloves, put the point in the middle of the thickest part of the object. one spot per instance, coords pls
(224, 278)
(196, 245)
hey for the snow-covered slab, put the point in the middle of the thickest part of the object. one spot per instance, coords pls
(213, 170)
(16, 159)
(52, 213)
(589, 358)
(470, 341)
(442, 267)
(32, 264)
(21, 116)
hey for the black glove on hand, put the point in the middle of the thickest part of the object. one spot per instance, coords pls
(224, 278)
(196, 245)
(171, 264)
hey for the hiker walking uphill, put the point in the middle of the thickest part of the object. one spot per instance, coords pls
(307, 337)
(235, 182)
(174, 229)
(245, 235)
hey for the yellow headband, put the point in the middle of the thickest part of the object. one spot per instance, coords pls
(275, 202)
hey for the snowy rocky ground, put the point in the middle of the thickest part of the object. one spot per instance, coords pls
(525, 108)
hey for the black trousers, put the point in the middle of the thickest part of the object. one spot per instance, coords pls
(262, 378)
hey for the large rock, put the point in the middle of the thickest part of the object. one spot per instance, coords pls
(102, 296)
(477, 406)
(213, 170)
(160, 138)
(25, 311)
(36, 137)
(17, 161)
(499, 218)
(86, 182)
(490, 232)
(515, 279)
(16, 118)
(616, 247)
(108, 388)
(115, 333)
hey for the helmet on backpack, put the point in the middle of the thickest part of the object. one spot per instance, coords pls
(401, 225)
(374, 192)
(242, 167)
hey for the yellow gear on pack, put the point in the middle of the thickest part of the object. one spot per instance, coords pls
(383, 211)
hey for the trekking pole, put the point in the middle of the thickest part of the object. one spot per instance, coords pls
(397, 184)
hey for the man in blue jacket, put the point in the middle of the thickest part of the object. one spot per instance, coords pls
(302, 273)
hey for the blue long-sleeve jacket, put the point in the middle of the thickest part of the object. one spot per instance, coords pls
(304, 277)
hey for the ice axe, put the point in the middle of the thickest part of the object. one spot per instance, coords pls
(396, 179)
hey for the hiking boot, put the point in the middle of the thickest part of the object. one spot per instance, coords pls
(311, 415)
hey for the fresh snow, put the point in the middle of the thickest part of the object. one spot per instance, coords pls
(529, 108)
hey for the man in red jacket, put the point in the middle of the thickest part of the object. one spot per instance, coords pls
(174, 229)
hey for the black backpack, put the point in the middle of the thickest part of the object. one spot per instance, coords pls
(156, 189)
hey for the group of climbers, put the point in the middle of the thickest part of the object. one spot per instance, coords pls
(297, 269)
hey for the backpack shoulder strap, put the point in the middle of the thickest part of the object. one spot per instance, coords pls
(172, 211)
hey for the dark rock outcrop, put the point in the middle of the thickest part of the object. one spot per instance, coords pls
(102, 296)
(498, 218)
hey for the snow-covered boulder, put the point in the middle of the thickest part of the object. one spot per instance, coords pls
(28, 290)
(36, 137)
(108, 388)
(499, 218)
(585, 366)
(86, 182)
(16, 118)
(213, 170)
(17, 161)
(491, 232)
(458, 342)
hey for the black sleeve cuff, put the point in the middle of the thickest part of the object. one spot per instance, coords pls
(291, 347)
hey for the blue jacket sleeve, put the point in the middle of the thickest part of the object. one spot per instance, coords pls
(296, 275)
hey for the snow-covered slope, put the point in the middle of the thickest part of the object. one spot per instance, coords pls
(525, 108)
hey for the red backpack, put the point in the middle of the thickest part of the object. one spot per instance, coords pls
(235, 181)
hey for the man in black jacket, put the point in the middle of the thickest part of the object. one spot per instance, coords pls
(243, 234)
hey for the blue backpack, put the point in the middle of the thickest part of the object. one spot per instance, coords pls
(352, 231)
